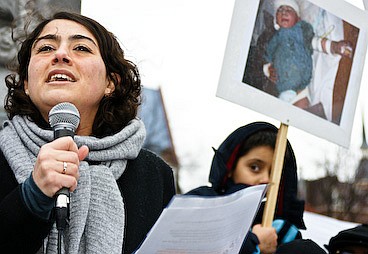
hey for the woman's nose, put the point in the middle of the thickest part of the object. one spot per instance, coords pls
(61, 56)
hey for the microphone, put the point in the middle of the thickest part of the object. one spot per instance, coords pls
(64, 119)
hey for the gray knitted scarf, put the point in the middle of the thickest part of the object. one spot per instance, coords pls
(96, 206)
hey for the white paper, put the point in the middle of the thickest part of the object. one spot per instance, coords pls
(195, 224)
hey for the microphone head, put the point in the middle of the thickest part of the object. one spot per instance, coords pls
(64, 116)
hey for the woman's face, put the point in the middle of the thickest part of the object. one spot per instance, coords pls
(286, 16)
(254, 167)
(66, 66)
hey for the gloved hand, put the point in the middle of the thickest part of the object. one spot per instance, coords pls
(286, 231)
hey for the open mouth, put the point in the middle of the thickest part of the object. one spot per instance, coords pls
(60, 77)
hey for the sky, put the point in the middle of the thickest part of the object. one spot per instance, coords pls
(179, 46)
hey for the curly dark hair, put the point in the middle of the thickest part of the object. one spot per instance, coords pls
(115, 111)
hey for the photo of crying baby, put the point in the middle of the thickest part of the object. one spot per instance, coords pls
(297, 61)
(303, 55)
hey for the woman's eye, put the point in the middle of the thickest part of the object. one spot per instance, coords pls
(45, 48)
(82, 48)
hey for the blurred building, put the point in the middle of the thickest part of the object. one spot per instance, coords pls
(342, 200)
(158, 139)
(361, 177)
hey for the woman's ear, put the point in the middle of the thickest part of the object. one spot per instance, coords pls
(26, 87)
(110, 88)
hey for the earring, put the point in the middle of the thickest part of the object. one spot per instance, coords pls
(26, 92)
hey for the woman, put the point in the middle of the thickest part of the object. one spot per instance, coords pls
(118, 189)
(245, 159)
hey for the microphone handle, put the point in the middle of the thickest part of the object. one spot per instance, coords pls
(63, 132)
(62, 195)
(63, 191)
(62, 208)
(58, 133)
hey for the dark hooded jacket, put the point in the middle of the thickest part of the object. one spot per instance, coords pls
(357, 236)
(288, 207)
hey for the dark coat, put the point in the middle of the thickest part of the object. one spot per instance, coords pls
(288, 206)
(352, 237)
(147, 186)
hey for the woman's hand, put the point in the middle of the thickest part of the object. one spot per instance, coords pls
(48, 172)
(267, 237)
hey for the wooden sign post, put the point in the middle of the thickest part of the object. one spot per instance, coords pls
(276, 171)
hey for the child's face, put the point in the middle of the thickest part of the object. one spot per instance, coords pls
(254, 167)
(286, 16)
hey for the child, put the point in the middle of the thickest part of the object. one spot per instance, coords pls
(290, 52)
(245, 159)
